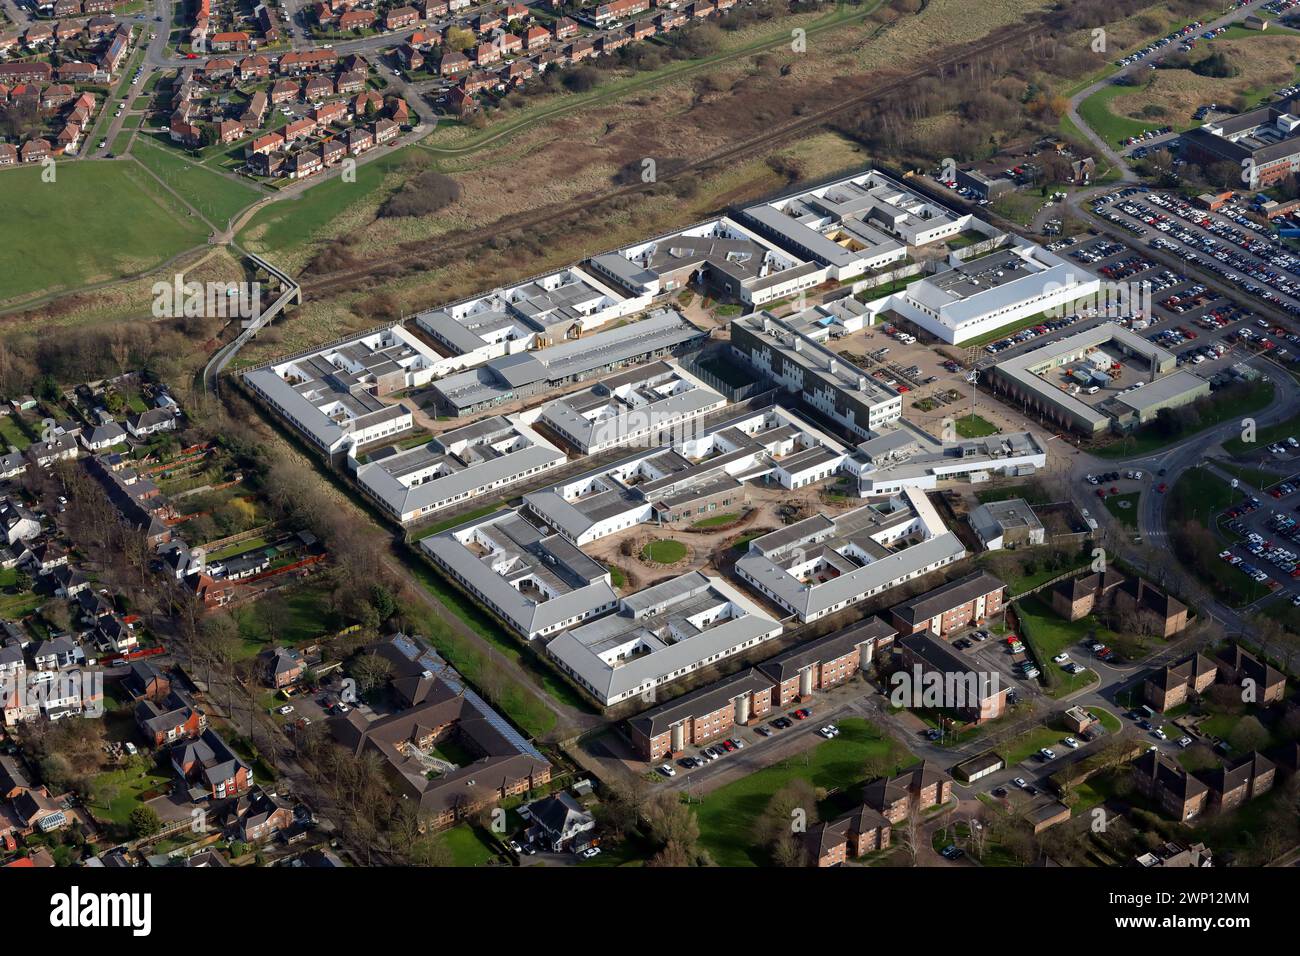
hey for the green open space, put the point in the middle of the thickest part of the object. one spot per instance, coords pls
(113, 795)
(292, 223)
(664, 551)
(85, 239)
(468, 845)
(716, 521)
(1114, 129)
(728, 816)
(218, 197)
(1125, 508)
(1264, 437)
(973, 426)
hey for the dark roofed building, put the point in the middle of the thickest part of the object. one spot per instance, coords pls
(703, 715)
(1171, 686)
(1238, 665)
(1077, 597)
(560, 824)
(1250, 777)
(967, 600)
(1179, 794)
(824, 662)
(923, 784)
(975, 695)
(849, 837)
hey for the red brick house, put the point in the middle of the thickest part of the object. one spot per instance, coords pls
(536, 37)
(229, 130)
(34, 151)
(255, 67)
(265, 144)
(487, 53)
(968, 600)
(206, 768)
(173, 720)
(565, 28)
(825, 662)
(850, 837)
(283, 91)
(452, 64)
(702, 716)
(923, 785)
(356, 20)
(236, 40)
(401, 17)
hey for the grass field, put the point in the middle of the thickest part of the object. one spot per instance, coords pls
(1125, 508)
(664, 551)
(716, 521)
(468, 845)
(217, 197)
(97, 222)
(292, 223)
(1098, 112)
(973, 426)
(728, 816)
(1263, 438)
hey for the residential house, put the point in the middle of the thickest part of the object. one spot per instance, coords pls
(1173, 685)
(561, 824)
(206, 768)
(922, 786)
(1177, 793)
(172, 720)
(1248, 778)
(281, 666)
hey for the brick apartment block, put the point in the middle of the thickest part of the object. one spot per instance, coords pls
(1179, 794)
(826, 661)
(851, 836)
(976, 597)
(1076, 598)
(707, 714)
(924, 784)
(1171, 686)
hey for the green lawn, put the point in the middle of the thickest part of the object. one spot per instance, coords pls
(1030, 742)
(448, 523)
(287, 225)
(84, 237)
(1263, 438)
(1125, 508)
(11, 435)
(216, 196)
(468, 845)
(1047, 635)
(15, 606)
(973, 426)
(728, 816)
(1003, 331)
(1114, 129)
(717, 521)
(1257, 478)
(115, 794)
(664, 551)
(616, 576)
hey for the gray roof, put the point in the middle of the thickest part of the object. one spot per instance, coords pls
(656, 636)
(520, 556)
(457, 463)
(948, 596)
(706, 700)
(789, 663)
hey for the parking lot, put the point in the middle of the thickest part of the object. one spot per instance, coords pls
(1226, 243)
(1268, 523)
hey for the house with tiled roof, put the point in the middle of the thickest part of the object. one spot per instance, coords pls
(1173, 685)
(1250, 777)
(857, 833)
(1162, 780)
(1239, 666)
(923, 785)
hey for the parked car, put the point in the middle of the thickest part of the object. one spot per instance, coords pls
(667, 770)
